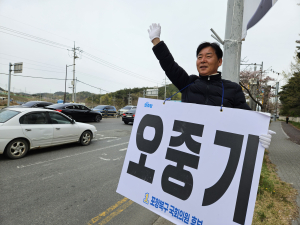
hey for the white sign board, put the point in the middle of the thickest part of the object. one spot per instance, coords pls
(152, 92)
(193, 164)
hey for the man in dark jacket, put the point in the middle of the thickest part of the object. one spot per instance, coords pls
(208, 88)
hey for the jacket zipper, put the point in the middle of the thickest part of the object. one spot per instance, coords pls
(207, 90)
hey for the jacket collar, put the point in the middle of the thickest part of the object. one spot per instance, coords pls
(211, 77)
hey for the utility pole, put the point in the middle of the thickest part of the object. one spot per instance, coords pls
(74, 50)
(9, 81)
(66, 83)
(144, 93)
(114, 99)
(129, 99)
(18, 68)
(100, 96)
(75, 89)
(276, 99)
(233, 40)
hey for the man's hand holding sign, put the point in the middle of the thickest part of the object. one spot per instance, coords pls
(202, 165)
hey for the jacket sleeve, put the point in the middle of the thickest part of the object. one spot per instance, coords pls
(174, 72)
(240, 101)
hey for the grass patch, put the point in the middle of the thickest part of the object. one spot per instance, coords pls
(295, 124)
(275, 202)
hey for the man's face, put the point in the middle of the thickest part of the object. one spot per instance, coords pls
(208, 62)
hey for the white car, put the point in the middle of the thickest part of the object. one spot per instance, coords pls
(22, 129)
(126, 108)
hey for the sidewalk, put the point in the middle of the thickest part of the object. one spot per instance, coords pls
(285, 154)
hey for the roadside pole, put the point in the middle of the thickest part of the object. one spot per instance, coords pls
(277, 88)
(233, 42)
(9, 81)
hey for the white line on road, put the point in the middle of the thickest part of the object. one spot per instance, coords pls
(47, 177)
(123, 149)
(106, 138)
(118, 158)
(104, 159)
(114, 140)
(69, 156)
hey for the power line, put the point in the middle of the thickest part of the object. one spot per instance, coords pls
(45, 78)
(32, 36)
(43, 70)
(36, 27)
(88, 55)
(52, 78)
(119, 69)
(29, 60)
(92, 86)
(111, 64)
(33, 40)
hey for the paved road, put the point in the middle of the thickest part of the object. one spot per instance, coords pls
(285, 154)
(71, 184)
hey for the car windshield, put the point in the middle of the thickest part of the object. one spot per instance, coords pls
(29, 104)
(127, 107)
(131, 111)
(5, 115)
(100, 107)
(54, 106)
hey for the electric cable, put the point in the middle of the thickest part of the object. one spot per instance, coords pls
(119, 70)
(33, 40)
(32, 36)
(113, 65)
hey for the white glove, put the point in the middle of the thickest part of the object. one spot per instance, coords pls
(154, 31)
(265, 139)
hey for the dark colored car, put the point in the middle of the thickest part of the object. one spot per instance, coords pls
(128, 117)
(105, 110)
(77, 112)
(32, 104)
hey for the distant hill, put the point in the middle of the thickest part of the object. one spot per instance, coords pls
(1, 89)
(61, 93)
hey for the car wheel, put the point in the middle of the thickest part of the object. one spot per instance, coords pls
(125, 122)
(17, 149)
(98, 118)
(86, 138)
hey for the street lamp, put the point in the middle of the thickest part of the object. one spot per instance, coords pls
(66, 83)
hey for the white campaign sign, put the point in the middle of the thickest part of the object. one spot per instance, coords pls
(193, 164)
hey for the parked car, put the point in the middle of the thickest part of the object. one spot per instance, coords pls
(22, 129)
(125, 109)
(32, 104)
(128, 117)
(107, 110)
(77, 112)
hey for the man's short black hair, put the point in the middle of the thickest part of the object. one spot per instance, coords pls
(214, 45)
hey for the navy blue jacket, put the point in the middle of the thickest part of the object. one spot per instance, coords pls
(206, 90)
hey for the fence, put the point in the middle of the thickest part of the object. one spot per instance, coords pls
(294, 119)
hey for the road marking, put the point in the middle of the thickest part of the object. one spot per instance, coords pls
(104, 159)
(69, 156)
(107, 138)
(114, 140)
(115, 213)
(107, 211)
(47, 177)
(118, 158)
(123, 149)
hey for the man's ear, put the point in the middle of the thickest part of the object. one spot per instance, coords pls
(220, 61)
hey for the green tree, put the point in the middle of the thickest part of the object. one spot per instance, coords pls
(290, 94)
